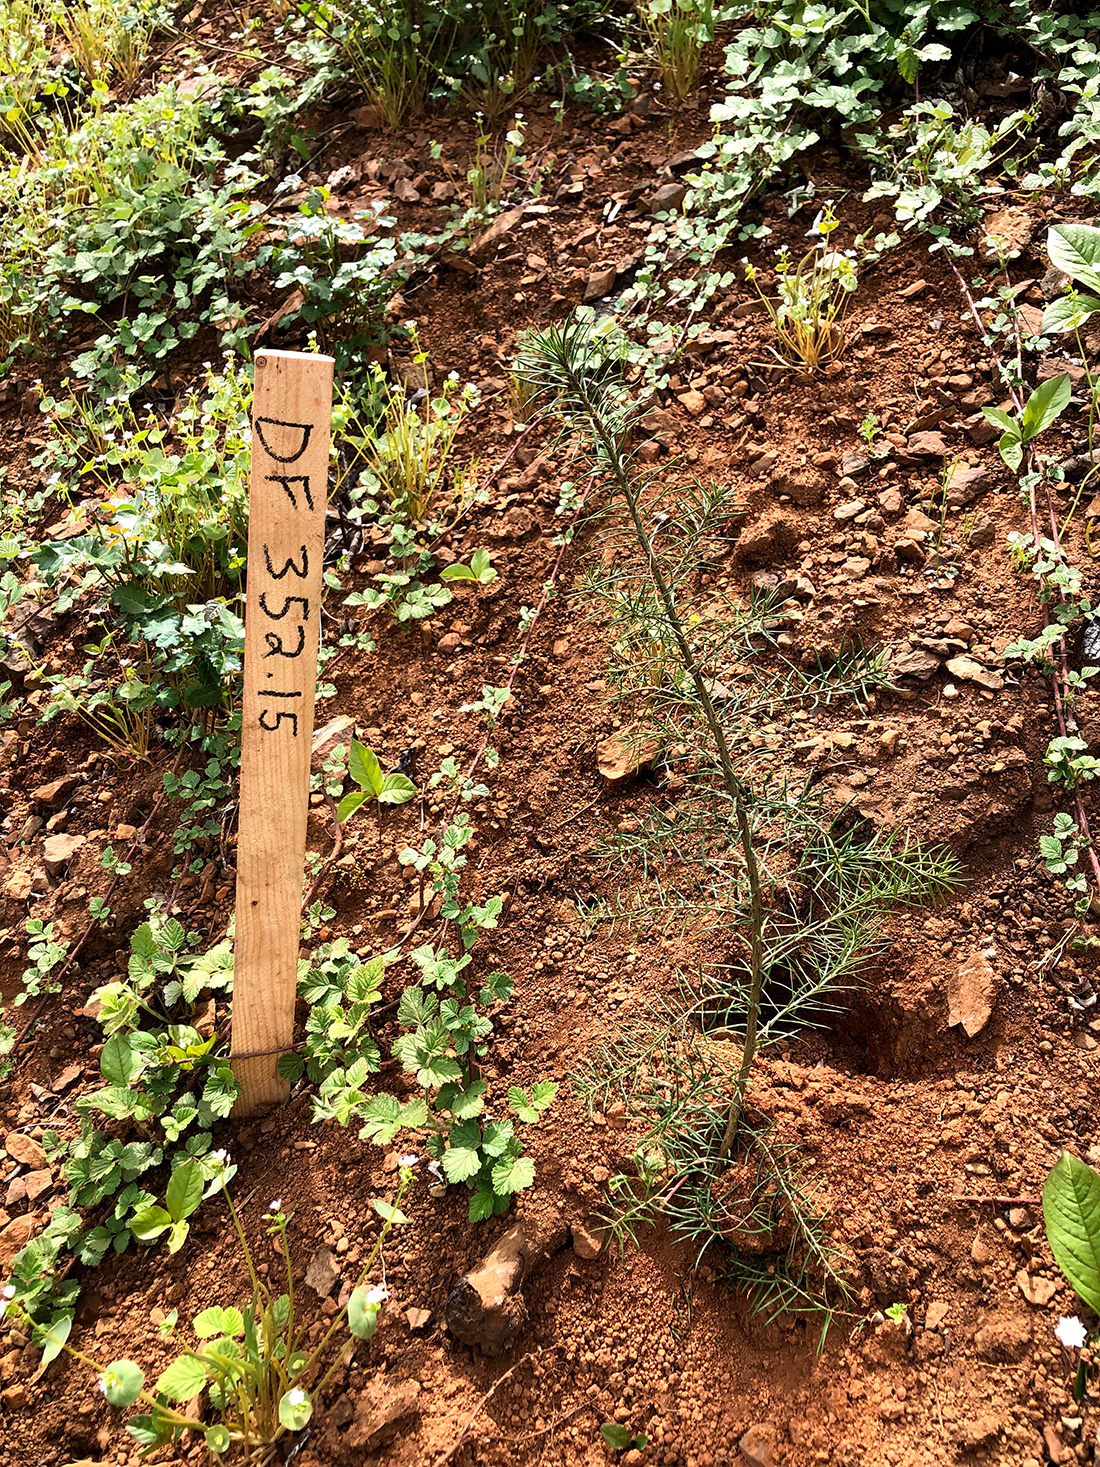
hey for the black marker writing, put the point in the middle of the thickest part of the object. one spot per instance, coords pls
(275, 642)
(290, 566)
(283, 458)
(288, 602)
(285, 481)
(273, 727)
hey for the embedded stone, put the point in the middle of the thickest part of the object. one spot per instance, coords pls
(971, 992)
(59, 850)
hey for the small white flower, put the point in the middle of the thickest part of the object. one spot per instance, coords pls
(102, 1384)
(275, 1205)
(410, 1160)
(6, 1294)
(453, 376)
(1071, 1332)
(296, 1397)
(378, 1296)
(221, 1157)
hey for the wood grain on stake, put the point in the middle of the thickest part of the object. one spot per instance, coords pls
(291, 417)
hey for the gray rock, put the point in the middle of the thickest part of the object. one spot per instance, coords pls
(667, 198)
(965, 484)
(927, 445)
(600, 283)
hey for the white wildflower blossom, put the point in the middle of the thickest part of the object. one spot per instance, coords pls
(377, 1296)
(1071, 1332)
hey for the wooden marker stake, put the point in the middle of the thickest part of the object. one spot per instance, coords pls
(291, 421)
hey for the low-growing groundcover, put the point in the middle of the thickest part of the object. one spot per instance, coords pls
(699, 921)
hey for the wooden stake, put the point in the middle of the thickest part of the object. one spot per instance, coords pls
(291, 421)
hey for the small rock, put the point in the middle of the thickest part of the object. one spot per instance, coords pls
(404, 192)
(322, 1273)
(978, 1429)
(890, 501)
(448, 642)
(587, 1243)
(915, 663)
(1006, 233)
(600, 283)
(848, 511)
(667, 198)
(57, 791)
(418, 1318)
(915, 524)
(58, 851)
(25, 1149)
(625, 754)
(909, 292)
(443, 192)
(983, 532)
(757, 1446)
(973, 672)
(971, 992)
(695, 402)
(854, 462)
(1053, 282)
(1004, 1338)
(927, 445)
(19, 886)
(1036, 1290)
(497, 232)
(1056, 1448)
(965, 484)
(937, 1313)
(13, 1237)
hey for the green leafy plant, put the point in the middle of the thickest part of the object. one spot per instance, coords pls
(252, 1367)
(480, 570)
(621, 1439)
(677, 31)
(813, 296)
(387, 789)
(1043, 408)
(167, 1083)
(749, 860)
(1068, 764)
(344, 271)
(185, 1192)
(1071, 1215)
(1075, 250)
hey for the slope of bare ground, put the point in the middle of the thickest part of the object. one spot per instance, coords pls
(907, 1122)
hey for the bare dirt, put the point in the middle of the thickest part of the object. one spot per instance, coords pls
(908, 1123)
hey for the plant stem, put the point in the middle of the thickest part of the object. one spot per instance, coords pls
(616, 462)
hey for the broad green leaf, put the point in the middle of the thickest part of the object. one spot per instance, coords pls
(513, 1175)
(295, 1408)
(363, 1312)
(148, 1223)
(457, 572)
(617, 1437)
(397, 789)
(482, 1203)
(465, 1104)
(364, 768)
(184, 1378)
(1075, 249)
(123, 1382)
(1045, 404)
(481, 567)
(218, 1439)
(51, 1339)
(218, 1321)
(1069, 313)
(1050, 847)
(185, 1188)
(117, 1060)
(177, 1235)
(1000, 419)
(460, 1163)
(1011, 450)
(1071, 1213)
(349, 804)
(290, 1067)
(381, 1115)
(387, 1212)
